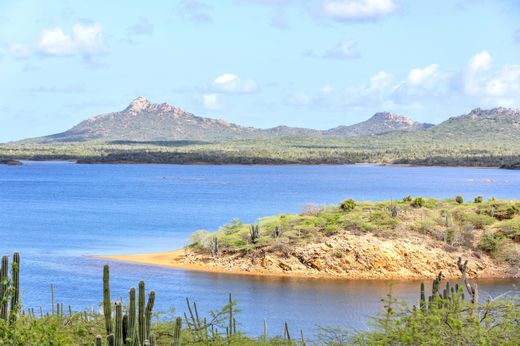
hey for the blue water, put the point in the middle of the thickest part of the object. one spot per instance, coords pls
(59, 214)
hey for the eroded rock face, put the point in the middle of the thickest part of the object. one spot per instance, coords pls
(364, 256)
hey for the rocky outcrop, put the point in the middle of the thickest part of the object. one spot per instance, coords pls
(379, 123)
(356, 256)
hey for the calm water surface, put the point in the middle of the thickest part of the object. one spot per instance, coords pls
(59, 214)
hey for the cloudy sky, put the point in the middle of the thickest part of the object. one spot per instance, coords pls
(311, 63)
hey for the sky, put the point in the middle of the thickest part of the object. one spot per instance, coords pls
(262, 63)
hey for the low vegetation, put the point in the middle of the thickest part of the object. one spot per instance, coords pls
(454, 315)
(491, 226)
(393, 148)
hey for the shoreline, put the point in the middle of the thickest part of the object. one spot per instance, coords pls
(173, 259)
(197, 163)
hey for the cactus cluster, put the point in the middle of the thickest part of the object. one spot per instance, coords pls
(130, 326)
(277, 232)
(255, 233)
(10, 288)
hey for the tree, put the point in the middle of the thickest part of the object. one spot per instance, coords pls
(459, 199)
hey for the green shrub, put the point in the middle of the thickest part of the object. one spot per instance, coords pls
(470, 217)
(407, 199)
(478, 199)
(459, 199)
(348, 205)
(511, 229)
(418, 202)
(490, 243)
(198, 238)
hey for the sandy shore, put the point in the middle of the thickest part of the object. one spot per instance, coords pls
(175, 258)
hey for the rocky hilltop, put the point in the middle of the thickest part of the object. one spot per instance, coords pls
(379, 123)
(143, 121)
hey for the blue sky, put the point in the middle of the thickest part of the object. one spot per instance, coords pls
(309, 63)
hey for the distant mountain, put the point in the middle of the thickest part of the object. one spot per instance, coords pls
(143, 121)
(492, 124)
(379, 123)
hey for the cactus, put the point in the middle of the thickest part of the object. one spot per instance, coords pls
(15, 295)
(423, 297)
(152, 340)
(213, 246)
(286, 334)
(119, 324)
(255, 233)
(4, 286)
(52, 299)
(111, 340)
(177, 332)
(107, 308)
(131, 333)
(141, 311)
(231, 319)
(148, 314)
(277, 232)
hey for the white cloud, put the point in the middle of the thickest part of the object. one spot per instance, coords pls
(19, 51)
(345, 10)
(327, 89)
(300, 99)
(346, 49)
(380, 81)
(480, 62)
(141, 27)
(426, 77)
(86, 40)
(195, 11)
(230, 83)
(501, 88)
(211, 101)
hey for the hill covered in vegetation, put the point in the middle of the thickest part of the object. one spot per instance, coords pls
(408, 239)
(144, 133)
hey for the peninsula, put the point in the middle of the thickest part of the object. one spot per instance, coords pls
(410, 239)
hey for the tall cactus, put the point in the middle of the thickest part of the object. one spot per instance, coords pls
(255, 233)
(15, 295)
(148, 314)
(231, 319)
(141, 311)
(119, 324)
(4, 287)
(107, 308)
(177, 332)
(132, 333)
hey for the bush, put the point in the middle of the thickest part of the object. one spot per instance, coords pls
(478, 199)
(407, 199)
(347, 205)
(459, 199)
(469, 217)
(490, 243)
(418, 202)
(511, 229)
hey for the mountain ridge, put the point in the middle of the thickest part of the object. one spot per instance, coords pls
(143, 121)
